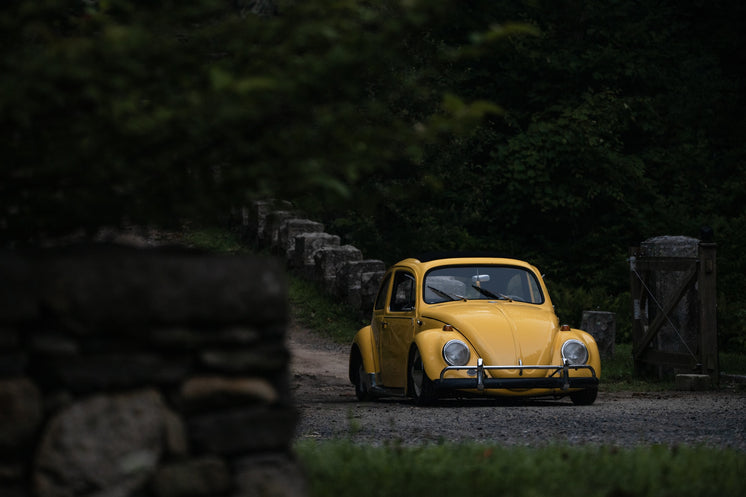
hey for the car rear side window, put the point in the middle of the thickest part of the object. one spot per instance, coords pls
(402, 293)
(382, 291)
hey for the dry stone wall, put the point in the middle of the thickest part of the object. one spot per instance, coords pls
(312, 253)
(149, 373)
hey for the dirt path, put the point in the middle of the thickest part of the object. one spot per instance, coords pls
(329, 410)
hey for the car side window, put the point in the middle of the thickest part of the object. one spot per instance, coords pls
(402, 293)
(381, 297)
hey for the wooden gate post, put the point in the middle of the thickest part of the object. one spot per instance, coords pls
(708, 344)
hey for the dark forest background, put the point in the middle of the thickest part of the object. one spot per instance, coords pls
(561, 132)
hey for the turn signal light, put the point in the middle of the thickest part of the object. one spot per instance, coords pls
(447, 327)
(565, 327)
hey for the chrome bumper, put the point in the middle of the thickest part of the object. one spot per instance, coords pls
(559, 378)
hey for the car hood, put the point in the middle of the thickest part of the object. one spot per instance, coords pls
(503, 333)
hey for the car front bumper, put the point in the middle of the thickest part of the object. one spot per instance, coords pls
(559, 378)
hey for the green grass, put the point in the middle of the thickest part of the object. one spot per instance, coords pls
(213, 240)
(317, 311)
(342, 468)
(733, 363)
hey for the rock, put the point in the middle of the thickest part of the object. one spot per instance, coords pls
(156, 287)
(329, 260)
(239, 431)
(20, 414)
(292, 228)
(602, 326)
(108, 445)
(693, 382)
(269, 358)
(95, 372)
(204, 477)
(269, 475)
(215, 392)
(306, 246)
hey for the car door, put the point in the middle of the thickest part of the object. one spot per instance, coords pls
(377, 323)
(397, 330)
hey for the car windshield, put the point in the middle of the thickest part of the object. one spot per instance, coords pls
(490, 282)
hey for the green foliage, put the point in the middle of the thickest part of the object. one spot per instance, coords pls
(570, 302)
(335, 468)
(213, 240)
(619, 122)
(561, 132)
(313, 308)
(154, 112)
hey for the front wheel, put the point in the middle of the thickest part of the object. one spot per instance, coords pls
(584, 397)
(420, 386)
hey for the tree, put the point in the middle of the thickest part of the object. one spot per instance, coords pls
(152, 112)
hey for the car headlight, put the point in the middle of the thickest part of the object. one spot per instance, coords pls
(456, 353)
(574, 352)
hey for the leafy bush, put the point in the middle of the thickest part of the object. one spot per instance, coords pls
(570, 302)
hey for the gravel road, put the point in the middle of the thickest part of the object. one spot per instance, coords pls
(329, 410)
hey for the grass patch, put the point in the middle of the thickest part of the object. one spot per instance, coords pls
(341, 468)
(316, 310)
(733, 363)
(214, 240)
(618, 374)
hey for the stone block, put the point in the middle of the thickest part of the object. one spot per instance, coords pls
(108, 443)
(121, 287)
(602, 326)
(348, 279)
(329, 260)
(105, 371)
(306, 246)
(693, 382)
(292, 228)
(255, 217)
(348, 284)
(202, 477)
(13, 363)
(265, 359)
(242, 431)
(19, 299)
(270, 474)
(272, 224)
(204, 393)
(369, 285)
(20, 414)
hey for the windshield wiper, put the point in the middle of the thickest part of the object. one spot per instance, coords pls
(487, 293)
(444, 294)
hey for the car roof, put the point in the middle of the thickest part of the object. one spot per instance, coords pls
(434, 259)
(434, 256)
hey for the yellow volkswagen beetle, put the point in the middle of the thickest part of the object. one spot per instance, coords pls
(447, 325)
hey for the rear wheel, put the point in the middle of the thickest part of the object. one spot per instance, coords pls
(584, 397)
(420, 386)
(361, 387)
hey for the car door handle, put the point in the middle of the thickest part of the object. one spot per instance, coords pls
(384, 324)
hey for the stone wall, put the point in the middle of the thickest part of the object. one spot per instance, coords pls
(312, 253)
(149, 373)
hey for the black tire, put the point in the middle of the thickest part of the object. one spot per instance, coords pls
(358, 375)
(584, 397)
(421, 388)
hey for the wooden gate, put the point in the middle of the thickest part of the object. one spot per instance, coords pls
(652, 313)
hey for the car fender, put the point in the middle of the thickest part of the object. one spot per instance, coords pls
(594, 358)
(365, 345)
(430, 344)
